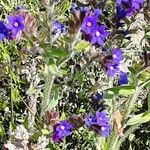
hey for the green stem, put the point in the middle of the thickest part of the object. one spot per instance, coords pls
(113, 147)
(134, 97)
(98, 143)
(131, 102)
(11, 101)
(47, 93)
(50, 78)
(147, 68)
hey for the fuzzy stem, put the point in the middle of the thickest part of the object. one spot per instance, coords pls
(47, 93)
(50, 78)
(131, 102)
(11, 101)
(113, 147)
(98, 144)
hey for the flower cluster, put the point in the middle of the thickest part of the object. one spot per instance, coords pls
(83, 9)
(96, 33)
(98, 96)
(123, 79)
(3, 31)
(12, 28)
(128, 7)
(57, 27)
(99, 121)
(113, 66)
(61, 130)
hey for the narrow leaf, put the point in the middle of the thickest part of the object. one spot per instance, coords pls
(139, 119)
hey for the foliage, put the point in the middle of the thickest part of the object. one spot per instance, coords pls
(64, 63)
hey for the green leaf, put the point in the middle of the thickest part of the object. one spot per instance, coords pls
(126, 92)
(57, 52)
(121, 90)
(80, 78)
(3, 104)
(63, 116)
(13, 76)
(148, 99)
(64, 6)
(104, 145)
(82, 45)
(25, 122)
(54, 100)
(54, 70)
(15, 95)
(2, 130)
(45, 132)
(135, 69)
(36, 135)
(139, 119)
(147, 35)
(31, 91)
(108, 95)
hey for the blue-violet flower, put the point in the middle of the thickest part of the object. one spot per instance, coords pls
(98, 35)
(112, 69)
(123, 78)
(3, 31)
(100, 120)
(61, 130)
(88, 24)
(15, 24)
(117, 56)
(58, 27)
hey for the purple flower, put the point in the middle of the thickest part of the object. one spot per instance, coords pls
(90, 120)
(3, 31)
(98, 35)
(61, 130)
(121, 13)
(97, 96)
(112, 69)
(123, 79)
(58, 27)
(121, 1)
(82, 9)
(102, 118)
(15, 24)
(88, 24)
(100, 121)
(73, 8)
(105, 130)
(136, 4)
(97, 12)
(130, 6)
(56, 138)
(117, 56)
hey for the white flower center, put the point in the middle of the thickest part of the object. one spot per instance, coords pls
(111, 68)
(114, 56)
(62, 127)
(97, 33)
(103, 128)
(89, 24)
(16, 24)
